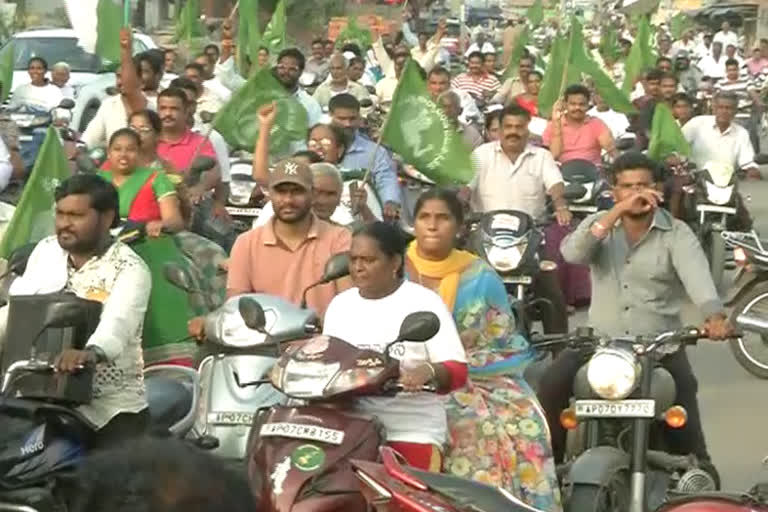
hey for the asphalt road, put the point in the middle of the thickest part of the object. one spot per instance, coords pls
(734, 404)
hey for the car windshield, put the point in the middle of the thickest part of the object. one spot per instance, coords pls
(53, 50)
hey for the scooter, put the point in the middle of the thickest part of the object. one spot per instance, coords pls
(747, 300)
(615, 457)
(32, 124)
(299, 454)
(232, 385)
(392, 486)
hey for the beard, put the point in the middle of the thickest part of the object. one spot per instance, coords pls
(294, 217)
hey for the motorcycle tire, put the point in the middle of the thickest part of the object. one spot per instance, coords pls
(599, 498)
(716, 253)
(740, 350)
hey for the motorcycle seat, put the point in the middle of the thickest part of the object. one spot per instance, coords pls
(169, 401)
(468, 493)
(579, 171)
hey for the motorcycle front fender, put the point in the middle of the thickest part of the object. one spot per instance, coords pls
(597, 465)
(744, 282)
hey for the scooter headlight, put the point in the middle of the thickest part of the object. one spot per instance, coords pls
(304, 379)
(506, 259)
(240, 192)
(613, 373)
(352, 379)
(719, 195)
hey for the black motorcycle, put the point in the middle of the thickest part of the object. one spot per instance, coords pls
(616, 458)
(586, 191)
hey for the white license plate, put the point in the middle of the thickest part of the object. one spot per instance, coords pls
(299, 431)
(230, 418)
(615, 408)
(582, 208)
(25, 138)
(728, 210)
(247, 212)
(518, 280)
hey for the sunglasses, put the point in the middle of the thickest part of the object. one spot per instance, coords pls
(325, 143)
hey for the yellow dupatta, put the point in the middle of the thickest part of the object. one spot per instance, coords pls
(448, 271)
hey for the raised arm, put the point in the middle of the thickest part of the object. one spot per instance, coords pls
(267, 116)
(133, 99)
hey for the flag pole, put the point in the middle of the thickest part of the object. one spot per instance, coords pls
(126, 13)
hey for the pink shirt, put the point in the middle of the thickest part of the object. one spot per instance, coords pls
(756, 66)
(580, 141)
(181, 153)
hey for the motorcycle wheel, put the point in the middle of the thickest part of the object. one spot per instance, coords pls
(600, 498)
(751, 349)
(716, 244)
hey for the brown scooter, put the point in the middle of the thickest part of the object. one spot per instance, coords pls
(299, 455)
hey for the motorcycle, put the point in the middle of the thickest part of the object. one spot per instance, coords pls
(392, 486)
(748, 301)
(615, 456)
(299, 454)
(230, 386)
(585, 190)
(412, 185)
(246, 200)
(33, 123)
(44, 435)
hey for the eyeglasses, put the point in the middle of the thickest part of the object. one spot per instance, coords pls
(293, 69)
(143, 129)
(325, 143)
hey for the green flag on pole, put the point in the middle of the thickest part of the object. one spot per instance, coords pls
(33, 218)
(353, 33)
(418, 130)
(109, 20)
(188, 24)
(274, 35)
(248, 35)
(666, 135)
(238, 120)
(535, 14)
(641, 56)
(7, 59)
(552, 83)
(517, 53)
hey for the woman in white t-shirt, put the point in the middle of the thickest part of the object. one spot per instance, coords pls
(39, 94)
(370, 316)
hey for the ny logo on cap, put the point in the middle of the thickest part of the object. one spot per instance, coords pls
(291, 169)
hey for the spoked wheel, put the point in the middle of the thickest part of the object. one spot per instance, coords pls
(751, 349)
(612, 497)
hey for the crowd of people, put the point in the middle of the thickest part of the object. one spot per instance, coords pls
(633, 263)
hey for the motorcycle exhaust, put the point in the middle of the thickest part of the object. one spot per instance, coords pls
(752, 323)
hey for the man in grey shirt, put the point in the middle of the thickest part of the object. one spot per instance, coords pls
(643, 263)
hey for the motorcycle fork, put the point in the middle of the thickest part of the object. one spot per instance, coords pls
(638, 460)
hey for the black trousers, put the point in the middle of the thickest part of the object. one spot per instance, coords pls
(556, 386)
(123, 427)
(554, 315)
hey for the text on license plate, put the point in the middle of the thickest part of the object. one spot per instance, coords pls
(248, 212)
(299, 431)
(518, 279)
(615, 408)
(231, 418)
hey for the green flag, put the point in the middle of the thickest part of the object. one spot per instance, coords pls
(7, 59)
(552, 84)
(666, 135)
(679, 23)
(640, 57)
(33, 219)
(609, 44)
(188, 24)
(535, 14)
(418, 130)
(274, 35)
(517, 53)
(353, 33)
(109, 16)
(238, 120)
(248, 36)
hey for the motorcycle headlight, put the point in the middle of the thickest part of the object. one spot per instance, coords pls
(240, 192)
(719, 195)
(304, 379)
(505, 259)
(613, 373)
(352, 379)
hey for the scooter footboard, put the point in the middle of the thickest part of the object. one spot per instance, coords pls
(300, 456)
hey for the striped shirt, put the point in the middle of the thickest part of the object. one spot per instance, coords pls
(476, 86)
(742, 87)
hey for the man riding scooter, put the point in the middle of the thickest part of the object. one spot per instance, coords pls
(643, 263)
(83, 258)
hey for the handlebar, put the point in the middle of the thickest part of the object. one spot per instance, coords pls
(27, 366)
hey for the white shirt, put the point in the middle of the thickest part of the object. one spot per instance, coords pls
(726, 38)
(372, 324)
(45, 97)
(615, 121)
(215, 85)
(385, 89)
(121, 280)
(110, 117)
(67, 91)
(709, 144)
(469, 108)
(6, 169)
(209, 101)
(500, 184)
(711, 67)
(474, 47)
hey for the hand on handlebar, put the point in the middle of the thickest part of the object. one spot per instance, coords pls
(414, 379)
(71, 361)
(717, 327)
(196, 328)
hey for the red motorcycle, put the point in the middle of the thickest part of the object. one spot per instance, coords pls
(393, 487)
(756, 500)
(299, 455)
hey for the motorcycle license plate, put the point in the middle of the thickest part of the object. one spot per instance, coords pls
(25, 138)
(231, 418)
(246, 212)
(615, 408)
(299, 431)
(519, 280)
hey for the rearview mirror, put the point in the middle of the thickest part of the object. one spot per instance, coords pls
(420, 326)
(64, 314)
(177, 276)
(252, 314)
(574, 191)
(336, 267)
(201, 164)
(625, 143)
(206, 116)
(366, 103)
(761, 159)
(17, 262)
(67, 104)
